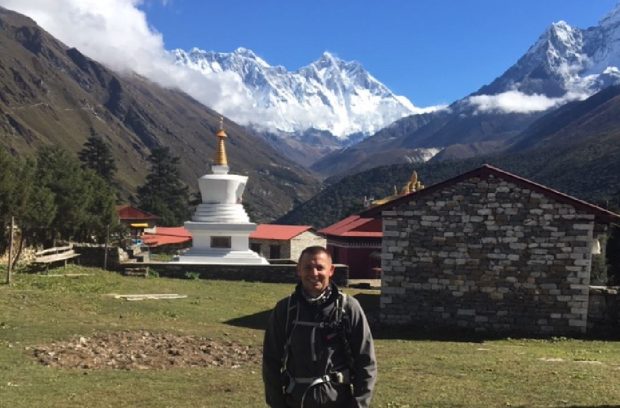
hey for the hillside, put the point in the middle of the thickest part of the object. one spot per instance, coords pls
(574, 149)
(54, 95)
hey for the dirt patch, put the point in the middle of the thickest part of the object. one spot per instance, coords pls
(143, 350)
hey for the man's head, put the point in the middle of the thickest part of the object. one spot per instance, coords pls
(315, 270)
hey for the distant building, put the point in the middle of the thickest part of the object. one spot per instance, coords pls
(356, 241)
(168, 238)
(283, 241)
(136, 221)
(133, 217)
(489, 250)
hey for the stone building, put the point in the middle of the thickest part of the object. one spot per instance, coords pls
(489, 250)
(283, 241)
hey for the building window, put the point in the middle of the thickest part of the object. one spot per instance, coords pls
(220, 242)
(256, 248)
(274, 251)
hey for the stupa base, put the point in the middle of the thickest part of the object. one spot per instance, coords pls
(221, 257)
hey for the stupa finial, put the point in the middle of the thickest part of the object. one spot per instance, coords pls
(220, 155)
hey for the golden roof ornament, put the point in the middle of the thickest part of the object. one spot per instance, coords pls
(220, 155)
(410, 186)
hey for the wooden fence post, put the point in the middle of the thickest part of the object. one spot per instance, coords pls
(105, 254)
(10, 265)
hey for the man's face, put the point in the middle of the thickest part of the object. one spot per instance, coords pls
(315, 272)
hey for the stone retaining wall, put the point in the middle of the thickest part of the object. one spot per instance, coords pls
(604, 310)
(282, 273)
(487, 254)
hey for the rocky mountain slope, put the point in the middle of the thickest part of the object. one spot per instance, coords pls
(574, 149)
(52, 94)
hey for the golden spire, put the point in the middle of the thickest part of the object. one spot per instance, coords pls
(220, 155)
(412, 185)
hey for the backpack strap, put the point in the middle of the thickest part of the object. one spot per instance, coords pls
(345, 327)
(288, 330)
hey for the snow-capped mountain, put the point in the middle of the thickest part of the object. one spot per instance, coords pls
(329, 94)
(566, 63)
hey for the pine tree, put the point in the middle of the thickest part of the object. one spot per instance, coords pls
(163, 193)
(84, 201)
(9, 190)
(97, 156)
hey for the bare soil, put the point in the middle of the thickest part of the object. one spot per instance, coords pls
(143, 350)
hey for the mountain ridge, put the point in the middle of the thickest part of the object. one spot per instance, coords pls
(573, 149)
(328, 94)
(53, 94)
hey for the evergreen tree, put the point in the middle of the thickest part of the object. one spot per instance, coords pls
(100, 209)
(84, 202)
(22, 197)
(163, 193)
(9, 196)
(97, 156)
(62, 175)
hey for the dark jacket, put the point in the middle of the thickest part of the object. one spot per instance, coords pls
(312, 355)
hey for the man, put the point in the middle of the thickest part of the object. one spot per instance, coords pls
(318, 350)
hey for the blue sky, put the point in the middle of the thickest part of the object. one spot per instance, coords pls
(432, 51)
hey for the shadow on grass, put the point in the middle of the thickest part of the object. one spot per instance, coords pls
(256, 321)
(370, 304)
(434, 332)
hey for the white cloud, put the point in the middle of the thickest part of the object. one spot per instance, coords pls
(116, 33)
(518, 102)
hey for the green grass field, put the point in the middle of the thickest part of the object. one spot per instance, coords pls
(413, 370)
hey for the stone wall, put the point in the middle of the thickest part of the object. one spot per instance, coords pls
(282, 273)
(303, 241)
(265, 244)
(290, 249)
(93, 255)
(488, 255)
(604, 310)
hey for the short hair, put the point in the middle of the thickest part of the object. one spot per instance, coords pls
(314, 250)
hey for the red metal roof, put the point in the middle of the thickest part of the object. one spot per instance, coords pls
(485, 171)
(278, 232)
(355, 226)
(129, 213)
(167, 236)
(179, 235)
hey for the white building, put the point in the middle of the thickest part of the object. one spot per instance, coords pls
(220, 226)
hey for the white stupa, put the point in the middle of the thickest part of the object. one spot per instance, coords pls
(220, 226)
